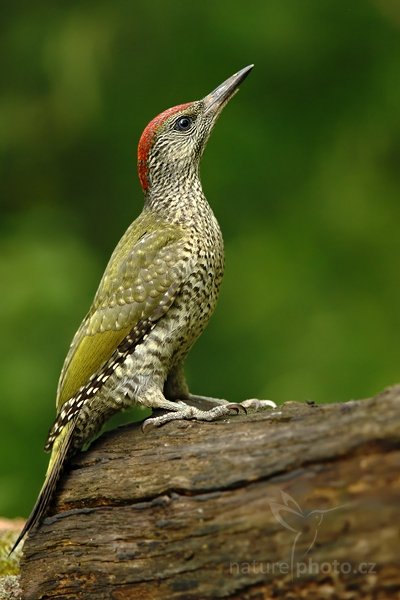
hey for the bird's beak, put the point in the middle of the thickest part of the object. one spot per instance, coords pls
(214, 102)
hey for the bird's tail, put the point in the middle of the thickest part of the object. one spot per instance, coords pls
(61, 450)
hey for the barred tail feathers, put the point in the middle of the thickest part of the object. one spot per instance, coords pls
(61, 450)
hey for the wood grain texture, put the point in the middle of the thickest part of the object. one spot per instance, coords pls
(229, 509)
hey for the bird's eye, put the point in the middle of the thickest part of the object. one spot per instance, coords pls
(183, 123)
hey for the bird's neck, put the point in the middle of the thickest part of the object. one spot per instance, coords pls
(178, 198)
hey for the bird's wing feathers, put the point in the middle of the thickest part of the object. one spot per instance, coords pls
(139, 286)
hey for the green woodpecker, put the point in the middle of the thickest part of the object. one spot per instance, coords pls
(156, 296)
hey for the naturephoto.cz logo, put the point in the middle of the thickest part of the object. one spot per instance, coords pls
(305, 526)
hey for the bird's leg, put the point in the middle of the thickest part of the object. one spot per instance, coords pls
(183, 405)
(175, 386)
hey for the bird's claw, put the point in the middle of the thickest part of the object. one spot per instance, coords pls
(148, 425)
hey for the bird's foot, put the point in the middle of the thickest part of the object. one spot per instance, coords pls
(188, 412)
(252, 404)
(204, 408)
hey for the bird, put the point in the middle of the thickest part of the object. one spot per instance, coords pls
(155, 298)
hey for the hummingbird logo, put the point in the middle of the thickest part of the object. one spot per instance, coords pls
(305, 525)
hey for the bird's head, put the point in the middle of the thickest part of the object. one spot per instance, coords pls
(172, 143)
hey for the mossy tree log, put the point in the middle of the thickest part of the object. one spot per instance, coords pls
(302, 501)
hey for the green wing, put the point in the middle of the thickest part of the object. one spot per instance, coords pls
(142, 279)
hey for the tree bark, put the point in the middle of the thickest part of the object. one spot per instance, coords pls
(298, 502)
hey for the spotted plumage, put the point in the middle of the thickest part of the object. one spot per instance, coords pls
(156, 296)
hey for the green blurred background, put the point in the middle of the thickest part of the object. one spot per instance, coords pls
(302, 172)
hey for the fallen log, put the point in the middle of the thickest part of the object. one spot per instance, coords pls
(298, 502)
